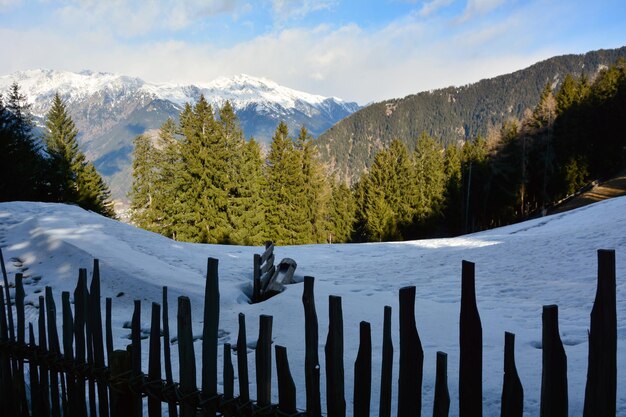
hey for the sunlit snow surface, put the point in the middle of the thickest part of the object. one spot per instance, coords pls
(519, 269)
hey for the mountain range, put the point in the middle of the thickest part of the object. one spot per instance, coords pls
(111, 110)
(450, 114)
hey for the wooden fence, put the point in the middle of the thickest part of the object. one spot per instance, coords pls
(77, 381)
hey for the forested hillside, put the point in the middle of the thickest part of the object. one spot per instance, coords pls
(451, 114)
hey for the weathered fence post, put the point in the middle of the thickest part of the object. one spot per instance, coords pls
(335, 395)
(601, 389)
(512, 390)
(80, 310)
(228, 374)
(43, 369)
(263, 360)
(136, 406)
(68, 351)
(256, 278)
(242, 361)
(386, 367)
(169, 377)
(554, 361)
(108, 328)
(411, 358)
(286, 386)
(471, 348)
(154, 361)
(7, 395)
(311, 359)
(187, 359)
(20, 383)
(7, 294)
(363, 372)
(35, 390)
(95, 315)
(441, 405)
(209, 337)
(121, 395)
(54, 350)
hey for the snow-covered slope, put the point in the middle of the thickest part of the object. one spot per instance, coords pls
(111, 110)
(519, 269)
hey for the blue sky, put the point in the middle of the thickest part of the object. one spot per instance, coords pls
(357, 50)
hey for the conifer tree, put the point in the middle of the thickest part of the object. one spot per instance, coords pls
(73, 178)
(142, 193)
(430, 177)
(342, 213)
(247, 208)
(22, 167)
(205, 177)
(286, 215)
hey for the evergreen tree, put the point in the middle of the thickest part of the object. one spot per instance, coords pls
(342, 213)
(430, 178)
(22, 166)
(286, 215)
(66, 160)
(73, 179)
(205, 177)
(316, 189)
(142, 193)
(247, 208)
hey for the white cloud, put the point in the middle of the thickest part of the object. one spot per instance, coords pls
(430, 7)
(8, 4)
(406, 56)
(479, 7)
(296, 9)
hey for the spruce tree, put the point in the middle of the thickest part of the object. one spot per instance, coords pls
(22, 167)
(74, 180)
(142, 193)
(286, 216)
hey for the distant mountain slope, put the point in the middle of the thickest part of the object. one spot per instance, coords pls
(453, 113)
(110, 110)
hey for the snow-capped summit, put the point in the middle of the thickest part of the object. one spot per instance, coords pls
(110, 110)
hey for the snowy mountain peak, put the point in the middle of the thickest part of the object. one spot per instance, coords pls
(39, 85)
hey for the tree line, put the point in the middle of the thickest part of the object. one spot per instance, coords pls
(48, 168)
(201, 181)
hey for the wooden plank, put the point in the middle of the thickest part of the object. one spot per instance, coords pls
(43, 369)
(7, 394)
(54, 349)
(154, 361)
(311, 358)
(228, 374)
(441, 405)
(386, 372)
(363, 372)
(68, 350)
(512, 390)
(7, 295)
(242, 361)
(108, 328)
(269, 251)
(95, 315)
(186, 357)
(121, 396)
(554, 366)
(169, 378)
(601, 388)
(136, 406)
(268, 265)
(411, 358)
(35, 390)
(263, 360)
(256, 278)
(470, 347)
(20, 384)
(335, 394)
(209, 335)
(80, 312)
(286, 386)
